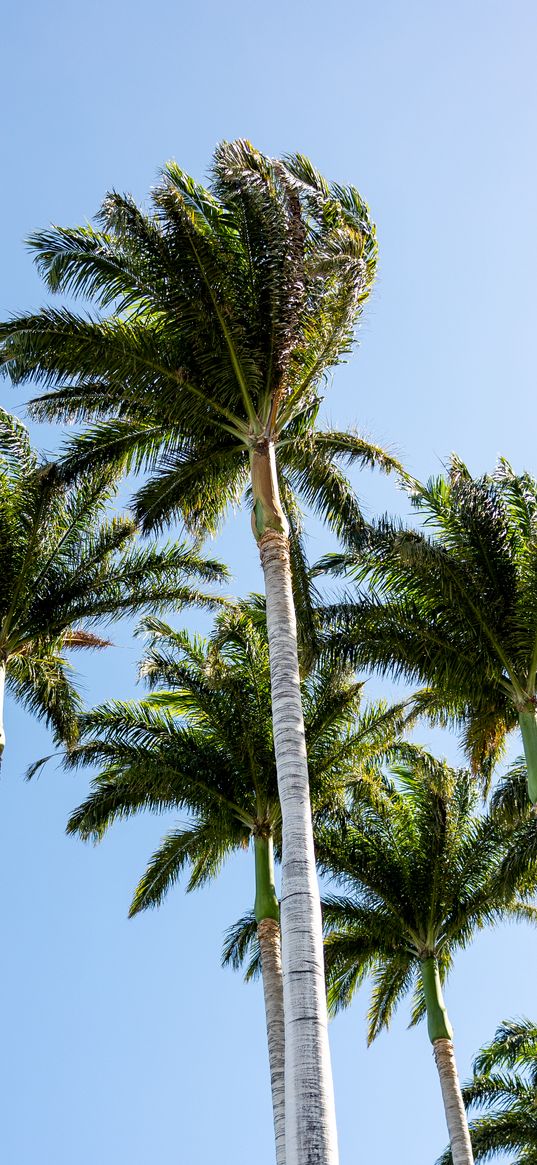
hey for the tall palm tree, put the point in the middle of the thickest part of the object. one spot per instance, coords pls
(204, 745)
(420, 869)
(229, 305)
(503, 1087)
(65, 567)
(455, 607)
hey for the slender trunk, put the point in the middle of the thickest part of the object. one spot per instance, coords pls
(440, 1034)
(528, 727)
(311, 1137)
(461, 1145)
(268, 932)
(2, 692)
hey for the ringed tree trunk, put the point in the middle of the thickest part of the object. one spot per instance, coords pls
(311, 1137)
(267, 916)
(441, 1036)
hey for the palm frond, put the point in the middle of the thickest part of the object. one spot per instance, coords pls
(421, 870)
(241, 944)
(215, 316)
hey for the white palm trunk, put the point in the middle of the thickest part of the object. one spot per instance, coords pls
(268, 933)
(311, 1137)
(461, 1145)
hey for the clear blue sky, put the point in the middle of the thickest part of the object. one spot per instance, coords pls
(124, 1041)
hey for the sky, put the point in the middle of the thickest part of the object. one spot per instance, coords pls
(125, 1041)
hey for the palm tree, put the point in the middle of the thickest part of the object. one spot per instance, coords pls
(229, 306)
(66, 567)
(503, 1086)
(455, 607)
(204, 744)
(420, 869)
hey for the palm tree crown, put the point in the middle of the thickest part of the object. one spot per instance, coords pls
(503, 1088)
(420, 868)
(229, 304)
(455, 607)
(65, 567)
(202, 745)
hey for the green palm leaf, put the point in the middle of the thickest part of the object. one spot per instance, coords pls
(421, 873)
(67, 567)
(454, 607)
